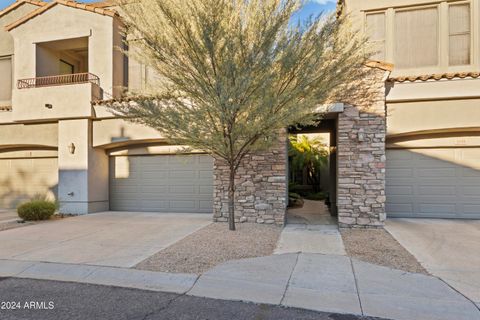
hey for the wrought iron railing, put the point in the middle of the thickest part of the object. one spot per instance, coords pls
(61, 80)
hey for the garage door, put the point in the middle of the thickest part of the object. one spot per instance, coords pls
(437, 183)
(22, 179)
(162, 183)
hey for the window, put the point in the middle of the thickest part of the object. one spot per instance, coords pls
(416, 38)
(459, 34)
(66, 68)
(6, 78)
(375, 27)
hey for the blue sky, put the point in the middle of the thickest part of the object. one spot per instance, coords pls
(312, 7)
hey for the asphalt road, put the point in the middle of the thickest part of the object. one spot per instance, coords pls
(49, 300)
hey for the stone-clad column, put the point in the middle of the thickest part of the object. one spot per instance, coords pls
(361, 157)
(261, 187)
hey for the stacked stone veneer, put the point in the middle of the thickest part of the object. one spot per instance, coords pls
(361, 156)
(261, 180)
(261, 187)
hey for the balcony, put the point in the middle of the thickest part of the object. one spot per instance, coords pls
(61, 80)
(55, 97)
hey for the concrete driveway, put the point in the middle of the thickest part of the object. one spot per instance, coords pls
(118, 239)
(7, 215)
(449, 249)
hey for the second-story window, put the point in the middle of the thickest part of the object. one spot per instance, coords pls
(375, 26)
(459, 34)
(6, 79)
(416, 38)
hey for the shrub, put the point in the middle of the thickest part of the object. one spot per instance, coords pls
(36, 210)
(316, 196)
(294, 200)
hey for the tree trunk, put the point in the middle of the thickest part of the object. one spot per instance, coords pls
(231, 199)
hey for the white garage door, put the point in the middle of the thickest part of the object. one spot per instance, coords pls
(437, 183)
(22, 179)
(162, 183)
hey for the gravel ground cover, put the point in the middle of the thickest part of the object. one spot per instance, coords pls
(377, 246)
(214, 245)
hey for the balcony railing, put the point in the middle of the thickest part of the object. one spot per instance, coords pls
(61, 80)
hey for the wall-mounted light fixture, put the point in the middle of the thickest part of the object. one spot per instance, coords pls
(71, 148)
(48, 106)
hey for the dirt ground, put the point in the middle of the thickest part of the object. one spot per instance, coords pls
(214, 245)
(377, 246)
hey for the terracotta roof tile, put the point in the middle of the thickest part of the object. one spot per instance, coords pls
(72, 4)
(5, 108)
(101, 4)
(18, 3)
(436, 76)
(379, 65)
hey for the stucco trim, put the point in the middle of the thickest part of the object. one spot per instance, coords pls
(71, 4)
(19, 3)
(433, 133)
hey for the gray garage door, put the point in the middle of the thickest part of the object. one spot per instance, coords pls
(437, 183)
(162, 183)
(22, 179)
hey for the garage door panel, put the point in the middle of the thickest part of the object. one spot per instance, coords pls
(443, 183)
(436, 190)
(403, 208)
(167, 183)
(22, 179)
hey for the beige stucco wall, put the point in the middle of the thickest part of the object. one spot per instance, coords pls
(6, 40)
(448, 115)
(110, 133)
(83, 175)
(69, 101)
(20, 135)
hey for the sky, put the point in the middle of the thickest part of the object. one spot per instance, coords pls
(312, 7)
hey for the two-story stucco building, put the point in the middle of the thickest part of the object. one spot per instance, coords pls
(413, 151)
(432, 103)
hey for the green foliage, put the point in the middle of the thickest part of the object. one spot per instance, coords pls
(316, 196)
(294, 200)
(309, 154)
(36, 210)
(232, 74)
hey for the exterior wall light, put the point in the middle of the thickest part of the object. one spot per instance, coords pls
(48, 106)
(71, 148)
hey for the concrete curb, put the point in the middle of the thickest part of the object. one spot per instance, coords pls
(329, 283)
(110, 276)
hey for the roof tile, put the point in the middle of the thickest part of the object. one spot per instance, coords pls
(72, 4)
(436, 76)
(18, 3)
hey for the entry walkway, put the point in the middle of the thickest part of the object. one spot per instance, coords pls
(330, 283)
(310, 229)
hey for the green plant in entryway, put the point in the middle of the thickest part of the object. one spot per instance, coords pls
(309, 155)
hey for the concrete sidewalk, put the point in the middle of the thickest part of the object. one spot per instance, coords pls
(331, 283)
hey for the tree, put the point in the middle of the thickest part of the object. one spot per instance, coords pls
(232, 73)
(308, 154)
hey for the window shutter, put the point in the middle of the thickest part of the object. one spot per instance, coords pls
(375, 27)
(6, 82)
(459, 34)
(416, 38)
